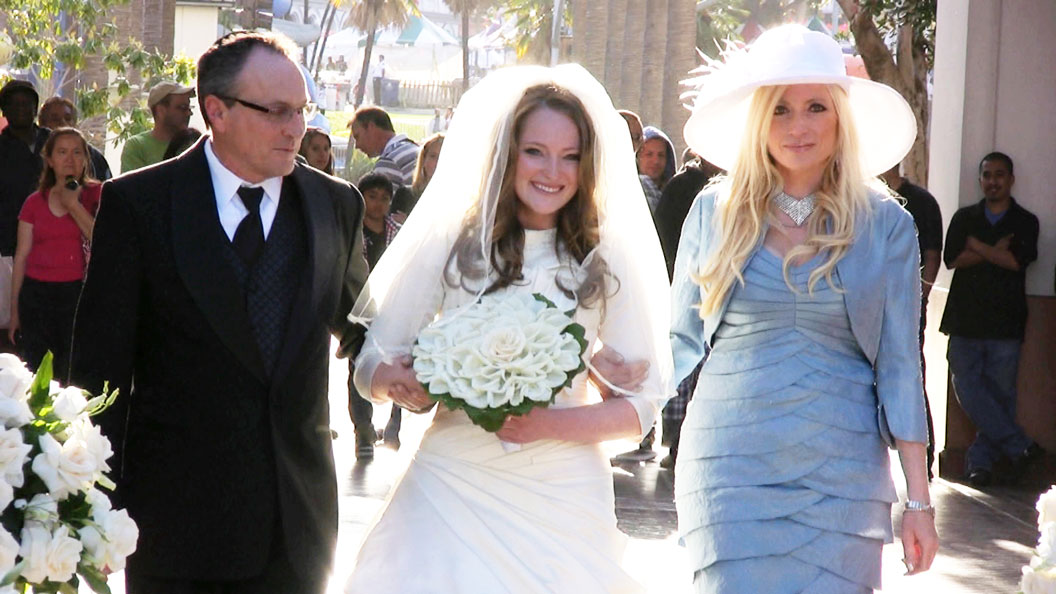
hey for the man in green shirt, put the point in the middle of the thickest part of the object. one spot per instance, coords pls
(170, 104)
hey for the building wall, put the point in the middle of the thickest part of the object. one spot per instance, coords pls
(994, 83)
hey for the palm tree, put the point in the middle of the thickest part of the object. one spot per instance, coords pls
(368, 16)
(465, 8)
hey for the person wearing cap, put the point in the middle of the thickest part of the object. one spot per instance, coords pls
(170, 105)
(801, 274)
(59, 112)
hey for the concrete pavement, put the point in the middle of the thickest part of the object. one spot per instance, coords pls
(986, 536)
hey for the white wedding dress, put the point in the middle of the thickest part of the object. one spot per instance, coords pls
(468, 517)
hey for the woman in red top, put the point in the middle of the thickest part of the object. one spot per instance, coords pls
(54, 227)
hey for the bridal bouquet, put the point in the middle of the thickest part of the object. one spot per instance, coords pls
(501, 356)
(55, 525)
(1039, 577)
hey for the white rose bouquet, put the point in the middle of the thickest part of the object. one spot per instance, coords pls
(55, 525)
(1039, 577)
(501, 356)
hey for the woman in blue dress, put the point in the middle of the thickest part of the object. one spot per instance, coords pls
(802, 276)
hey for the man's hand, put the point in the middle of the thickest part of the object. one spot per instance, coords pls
(611, 366)
(398, 383)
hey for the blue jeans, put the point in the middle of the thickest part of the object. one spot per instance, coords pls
(984, 376)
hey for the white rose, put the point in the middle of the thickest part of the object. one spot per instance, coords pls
(97, 444)
(1047, 542)
(1038, 578)
(42, 509)
(111, 539)
(13, 453)
(503, 344)
(49, 555)
(9, 361)
(8, 552)
(1047, 507)
(65, 468)
(69, 403)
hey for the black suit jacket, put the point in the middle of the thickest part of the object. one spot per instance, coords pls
(214, 460)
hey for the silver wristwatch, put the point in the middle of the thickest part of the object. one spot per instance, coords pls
(919, 506)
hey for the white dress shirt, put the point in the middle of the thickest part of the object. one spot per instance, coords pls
(229, 206)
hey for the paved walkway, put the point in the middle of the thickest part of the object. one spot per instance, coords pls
(986, 537)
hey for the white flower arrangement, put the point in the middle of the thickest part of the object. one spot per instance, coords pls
(1039, 577)
(56, 527)
(501, 356)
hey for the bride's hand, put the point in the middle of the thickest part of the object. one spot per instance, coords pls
(527, 428)
(398, 383)
(611, 366)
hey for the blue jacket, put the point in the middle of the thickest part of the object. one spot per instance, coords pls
(880, 275)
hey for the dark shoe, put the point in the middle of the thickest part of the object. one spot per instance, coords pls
(364, 447)
(667, 462)
(1021, 464)
(391, 434)
(980, 477)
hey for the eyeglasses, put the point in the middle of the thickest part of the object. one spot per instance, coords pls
(279, 114)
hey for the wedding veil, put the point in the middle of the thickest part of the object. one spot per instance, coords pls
(406, 287)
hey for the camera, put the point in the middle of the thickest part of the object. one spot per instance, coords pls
(71, 183)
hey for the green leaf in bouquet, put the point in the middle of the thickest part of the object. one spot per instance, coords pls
(103, 401)
(40, 390)
(69, 588)
(94, 577)
(12, 576)
(541, 297)
(75, 509)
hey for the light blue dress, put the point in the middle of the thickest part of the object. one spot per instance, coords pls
(783, 481)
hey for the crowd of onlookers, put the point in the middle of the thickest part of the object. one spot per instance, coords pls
(50, 191)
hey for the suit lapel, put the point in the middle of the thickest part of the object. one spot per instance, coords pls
(198, 242)
(322, 239)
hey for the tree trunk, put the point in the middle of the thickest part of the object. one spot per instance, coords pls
(614, 47)
(681, 57)
(372, 26)
(908, 77)
(304, 21)
(631, 57)
(465, 46)
(317, 50)
(654, 61)
(322, 40)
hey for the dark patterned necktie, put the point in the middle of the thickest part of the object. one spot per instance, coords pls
(249, 237)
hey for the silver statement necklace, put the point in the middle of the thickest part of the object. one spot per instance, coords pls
(797, 209)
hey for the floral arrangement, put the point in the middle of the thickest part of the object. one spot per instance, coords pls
(500, 356)
(55, 525)
(1039, 577)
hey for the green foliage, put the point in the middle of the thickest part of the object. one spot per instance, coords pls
(50, 33)
(534, 22)
(891, 15)
(719, 21)
(492, 419)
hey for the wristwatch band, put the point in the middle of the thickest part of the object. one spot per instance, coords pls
(919, 506)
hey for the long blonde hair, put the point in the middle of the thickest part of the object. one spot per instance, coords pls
(746, 193)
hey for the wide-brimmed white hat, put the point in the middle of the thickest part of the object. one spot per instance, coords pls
(791, 55)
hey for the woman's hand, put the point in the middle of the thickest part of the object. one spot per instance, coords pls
(68, 198)
(398, 383)
(920, 541)
(611, 366)
(533, 426)
(12, 329)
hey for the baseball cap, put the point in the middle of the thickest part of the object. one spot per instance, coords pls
(165, 88)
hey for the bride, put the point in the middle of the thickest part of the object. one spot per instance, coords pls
(535, 192)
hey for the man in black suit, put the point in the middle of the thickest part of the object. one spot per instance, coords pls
(215, 282)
